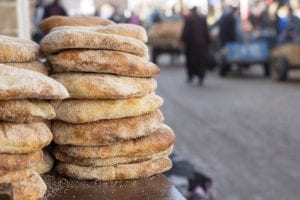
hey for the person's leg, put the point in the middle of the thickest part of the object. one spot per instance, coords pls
(189, 69)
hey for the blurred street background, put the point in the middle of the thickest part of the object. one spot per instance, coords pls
(230, 79)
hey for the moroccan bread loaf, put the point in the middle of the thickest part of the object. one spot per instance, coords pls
(128, 30)
(33, 66)
(56, 21)
(14, 176)
(159, 140)
(20, 83)
(45, 165)
(59, 40)
(102, 61)
(105, 132)
(105, 86)
(98, 162)
(117, 172)
(18, 50)
(25, 110)
(82, 111)
(14, 162)
(20, 138)
(32, 188)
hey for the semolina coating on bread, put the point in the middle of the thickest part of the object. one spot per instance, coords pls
(35, 66)
(82, 111)
(24, 110)
(20, 138)
(105, 132)
(59, 40)
(18, 83)
(45, 165)
(17, 50)
(102, 61)
(105, 86)
(98, 162)
(159, 140)
(117, 172)
(56, 21)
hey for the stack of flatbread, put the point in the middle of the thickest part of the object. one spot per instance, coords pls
(23, 116)
(111, 128)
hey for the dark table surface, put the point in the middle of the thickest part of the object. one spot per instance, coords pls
(156, 187)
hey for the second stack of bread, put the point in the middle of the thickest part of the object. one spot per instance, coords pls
(111, 128)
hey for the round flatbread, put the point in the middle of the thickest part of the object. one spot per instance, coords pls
(118, 172)
(56, 21)
(33, 66)
(14, 176)
(94, 162)
(26, 110)
(20, 83)
(14, 162)
(102, 61)
(20, 138)
(45, 165)
(82, 111)
(128, 30)
(105, 132)
(84, 39)
(105, 86)
(31, 188)
(17, 50)
(159, 140)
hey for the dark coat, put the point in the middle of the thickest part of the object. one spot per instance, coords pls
(195, 36)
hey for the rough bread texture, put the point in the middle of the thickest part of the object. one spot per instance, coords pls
(14, 176)
(105, 86)
(14, 162)
(25, 110)
(159, 140)
(20, 83)
(22, 138)
(105, 132)
(118, 172)
(128, 30)
(102, 61)
(56, 21)
(94, 162)
(84, 39)
(17, 50)
(33, 66)
(82, 111)
(32, 188)
(45, 165)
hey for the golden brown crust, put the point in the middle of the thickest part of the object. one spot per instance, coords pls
(105, 131)
(105, 86)
(82, 111)
(94, 162)
(32, 188)
(56, 21)
(20, 83)
(22, 138)
(118, 172)
(128, 30)
(102, 61)
(14, 162)
(45, 165)
(14, 176)
(17, 50)
(157, 141)
(83, 39)
(25, 110)
(33, 66)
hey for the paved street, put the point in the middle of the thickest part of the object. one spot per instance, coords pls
(244, 132)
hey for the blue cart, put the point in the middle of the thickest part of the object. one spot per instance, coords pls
(245, 54)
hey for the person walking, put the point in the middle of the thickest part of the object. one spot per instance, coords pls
(196, 40)
(54, 9)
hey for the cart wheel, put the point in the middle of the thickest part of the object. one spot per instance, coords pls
(279, 68)
(266, 70)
